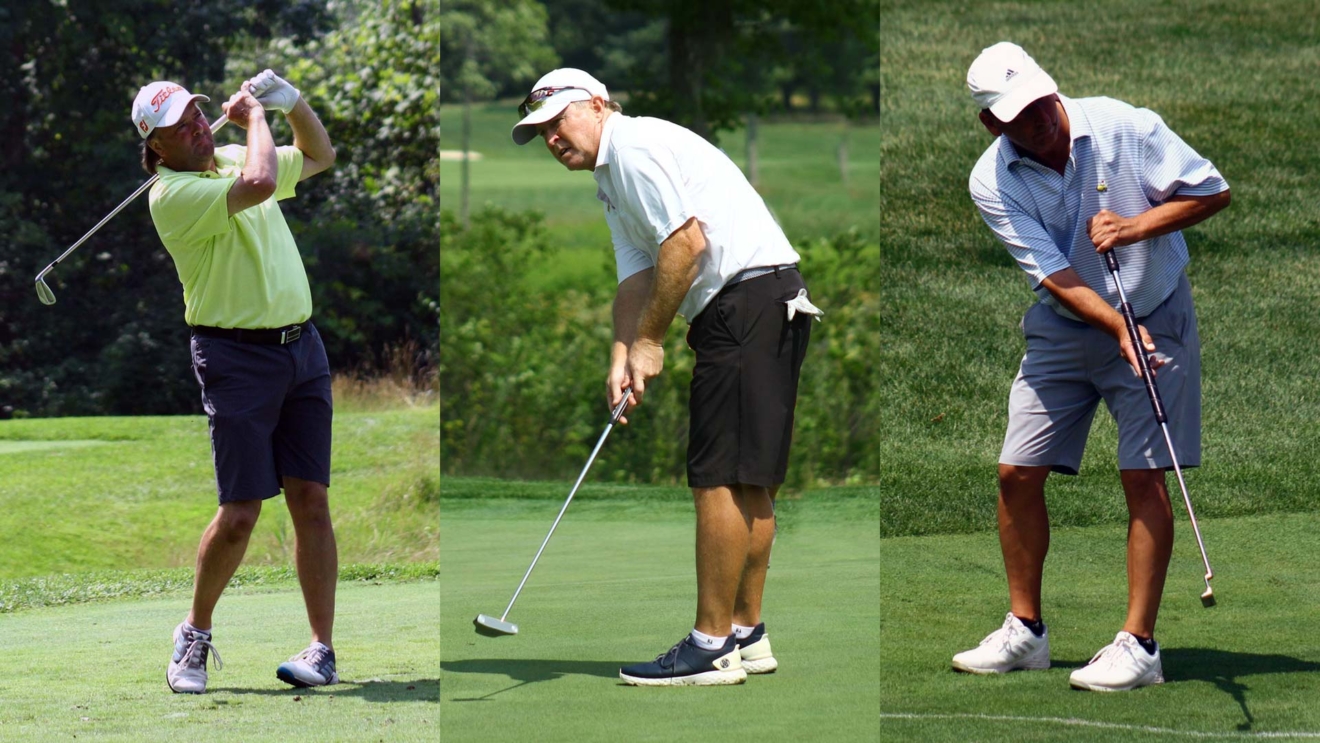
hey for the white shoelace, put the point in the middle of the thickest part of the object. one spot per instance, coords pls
(1112, 654)
(191, 657)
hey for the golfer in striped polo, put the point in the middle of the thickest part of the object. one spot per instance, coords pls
(260, 362)
(1065, 181)
(693, 238)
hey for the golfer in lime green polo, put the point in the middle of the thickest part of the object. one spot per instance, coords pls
(260, 362)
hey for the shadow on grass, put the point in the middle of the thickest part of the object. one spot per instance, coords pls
(421, 690)
(1222, 668)
(530, 671)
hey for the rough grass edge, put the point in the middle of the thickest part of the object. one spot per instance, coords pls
(107, 585)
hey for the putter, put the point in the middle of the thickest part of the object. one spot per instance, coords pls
(1157, 404)
(44, 292)
(492, 627)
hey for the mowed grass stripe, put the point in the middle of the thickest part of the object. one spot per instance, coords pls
(1247, 665)
(614, 591)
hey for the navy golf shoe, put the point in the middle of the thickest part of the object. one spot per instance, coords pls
(685, 664)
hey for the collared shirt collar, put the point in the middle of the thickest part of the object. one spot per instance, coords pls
(606, 134)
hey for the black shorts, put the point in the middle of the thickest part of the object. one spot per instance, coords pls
(744, 385)
(270, 412)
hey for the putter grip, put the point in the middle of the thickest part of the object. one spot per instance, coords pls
(1156, 403)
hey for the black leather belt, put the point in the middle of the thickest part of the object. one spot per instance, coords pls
(263, 336)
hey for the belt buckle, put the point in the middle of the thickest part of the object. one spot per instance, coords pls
(289, 335)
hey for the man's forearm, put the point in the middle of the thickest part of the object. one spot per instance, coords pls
(1081, 300)
(260, 165)
(309, 134)
(1179, 212)
(629, 301)
(676, 269)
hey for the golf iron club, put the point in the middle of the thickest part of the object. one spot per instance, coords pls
(44, 292)
(492, 627)
(1157, 404)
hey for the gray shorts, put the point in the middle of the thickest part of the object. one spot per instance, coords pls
(1070, 366)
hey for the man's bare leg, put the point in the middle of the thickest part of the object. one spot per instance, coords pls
(221, 551)
(317, 555)
(1024, 535)
(758, 504)
(1150, 544)
(723, 539)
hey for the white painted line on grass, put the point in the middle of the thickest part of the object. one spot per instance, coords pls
(1077, 722)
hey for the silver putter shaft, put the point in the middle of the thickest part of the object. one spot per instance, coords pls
(492, 627)
(44, 292)
(1111, 261)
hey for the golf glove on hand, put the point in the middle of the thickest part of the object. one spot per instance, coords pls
(274, 92)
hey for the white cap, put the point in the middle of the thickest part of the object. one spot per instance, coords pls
(161, 103)
(1005, 79)
(580, 87)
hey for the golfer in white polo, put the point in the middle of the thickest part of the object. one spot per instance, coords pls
(693, 238)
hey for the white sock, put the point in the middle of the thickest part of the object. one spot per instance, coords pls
(707, 642)
(741, 632)
(187, 627)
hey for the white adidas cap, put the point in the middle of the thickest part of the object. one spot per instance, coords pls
(1005, 79)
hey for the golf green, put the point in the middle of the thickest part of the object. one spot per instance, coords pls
(616, 586)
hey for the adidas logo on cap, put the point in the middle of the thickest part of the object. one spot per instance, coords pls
(1010, 75)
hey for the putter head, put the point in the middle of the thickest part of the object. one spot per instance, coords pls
(492, 627)
(44, 293)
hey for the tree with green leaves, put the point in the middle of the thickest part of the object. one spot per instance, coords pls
(490, 45)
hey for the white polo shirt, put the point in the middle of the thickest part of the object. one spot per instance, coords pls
(653, 176)
(1124, 159)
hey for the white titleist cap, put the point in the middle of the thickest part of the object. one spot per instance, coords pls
(1005, 79)
(161, 103)
(550, 95)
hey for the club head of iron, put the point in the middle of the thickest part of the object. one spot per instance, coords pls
(1208, 598)
(492, 627)
(44, 293)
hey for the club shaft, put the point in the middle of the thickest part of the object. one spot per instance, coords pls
(215, 127)
(614, 417)
(1157, 404)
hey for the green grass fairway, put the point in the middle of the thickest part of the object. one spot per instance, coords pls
(1245, 668)
(616, 586)
(97, 672)
(80, 494)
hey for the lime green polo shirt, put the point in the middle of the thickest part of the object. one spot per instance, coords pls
(242, 271)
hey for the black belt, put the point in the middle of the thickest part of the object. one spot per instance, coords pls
(264, 336)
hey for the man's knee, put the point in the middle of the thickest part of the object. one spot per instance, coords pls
(1021, 481)
(308, 502)
(235, 520)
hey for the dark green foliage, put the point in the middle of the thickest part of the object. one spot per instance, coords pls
(522, 373)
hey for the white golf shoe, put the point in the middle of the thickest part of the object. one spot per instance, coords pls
(314, 666)
(187, 670)
(755, 652)
(1011, 647)
(1121, 665)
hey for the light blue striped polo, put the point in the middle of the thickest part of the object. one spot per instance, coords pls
(1124, 159)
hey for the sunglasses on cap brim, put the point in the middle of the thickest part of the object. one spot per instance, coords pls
(537, 98)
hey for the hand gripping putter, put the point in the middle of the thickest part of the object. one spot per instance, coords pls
(1111, 262)
(492, 627)
(44, 292)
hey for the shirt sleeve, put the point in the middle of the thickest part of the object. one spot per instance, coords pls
(289, 162)
(188, 209)
(628, 259)
(1026, 238)
(1170, 166)
(651, 186)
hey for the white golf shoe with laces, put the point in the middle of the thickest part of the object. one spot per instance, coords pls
(1119, 666)
(187, 670)
(1012, 647)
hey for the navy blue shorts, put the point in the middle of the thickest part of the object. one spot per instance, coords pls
(270, 410)
(744, 384)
